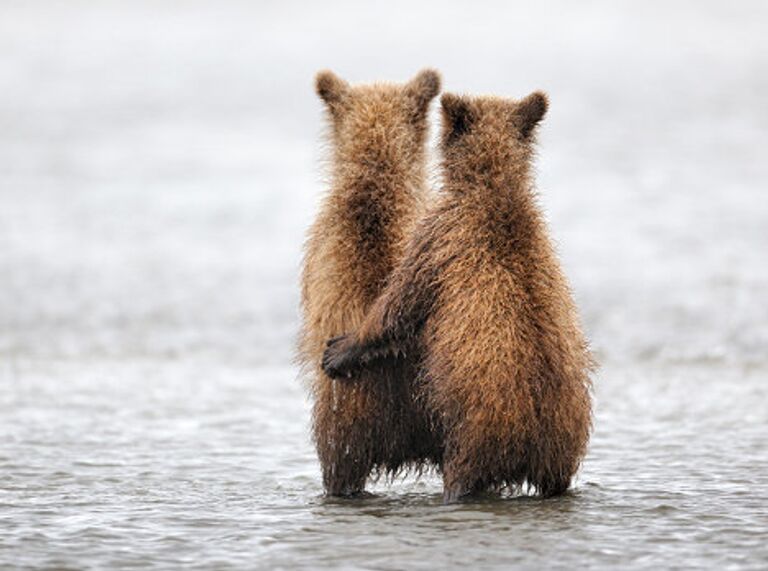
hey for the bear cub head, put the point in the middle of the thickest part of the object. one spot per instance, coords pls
(384, 122)
(487, 134)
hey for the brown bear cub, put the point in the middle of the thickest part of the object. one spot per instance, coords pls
(378, 192)
(479, 304)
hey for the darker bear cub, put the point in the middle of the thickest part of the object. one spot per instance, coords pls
(480, 306)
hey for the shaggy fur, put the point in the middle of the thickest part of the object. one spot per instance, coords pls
(378, 192)
(480, 305)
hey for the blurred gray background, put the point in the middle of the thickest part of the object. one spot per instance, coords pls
(160, 162)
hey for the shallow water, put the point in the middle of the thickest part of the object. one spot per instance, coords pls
(177, 463)
(158, 167)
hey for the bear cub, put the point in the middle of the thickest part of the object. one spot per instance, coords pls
(377, 140)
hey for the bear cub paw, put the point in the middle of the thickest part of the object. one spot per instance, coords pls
(341, 358)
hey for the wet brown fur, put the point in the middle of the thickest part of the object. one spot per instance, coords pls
(377, 193)
(479, 304)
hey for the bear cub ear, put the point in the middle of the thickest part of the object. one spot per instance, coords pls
(331, 88)
(530, 111)
(423, 88)
(457, 116)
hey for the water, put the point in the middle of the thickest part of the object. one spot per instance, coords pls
(158, 167)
